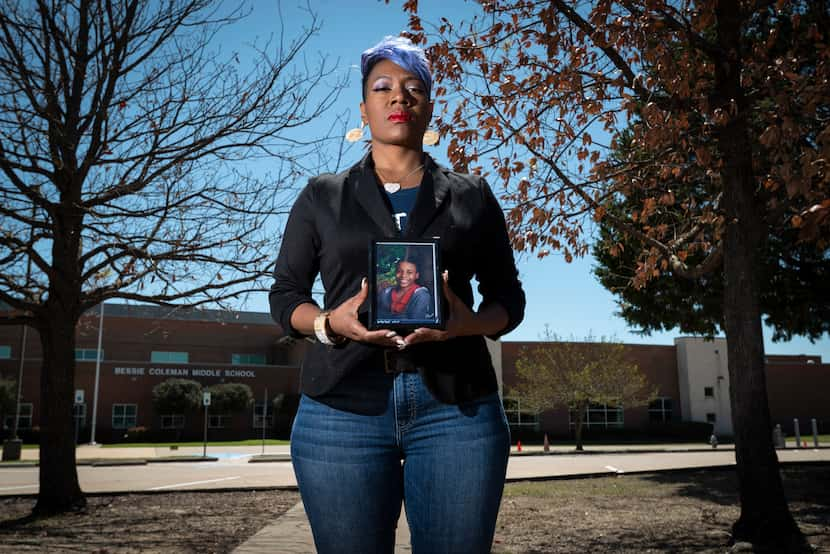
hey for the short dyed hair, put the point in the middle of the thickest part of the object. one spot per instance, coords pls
(403, 52)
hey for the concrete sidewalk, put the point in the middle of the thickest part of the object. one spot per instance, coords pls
(291, 534)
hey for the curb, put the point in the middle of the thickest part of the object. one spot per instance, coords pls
(32, 463)
(109, 462)
(262, 458)
(169, 459)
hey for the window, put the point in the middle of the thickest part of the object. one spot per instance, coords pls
(124, 415)
(660, 410)
(218, 421)
(172, 421)
(5, 352)
(248, 359)
(25, 421)
(87, 354)
(600, 416)
(258, 416)
(162, 357)
(517, 417)
(711, 418)
(709, 392)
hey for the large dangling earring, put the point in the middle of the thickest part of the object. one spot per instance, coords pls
(431, 137)
(356, 134)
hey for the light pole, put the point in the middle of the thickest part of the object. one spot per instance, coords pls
(12, 446)
(97, 375)
(19, 395)
(264, 418)
(206, 404)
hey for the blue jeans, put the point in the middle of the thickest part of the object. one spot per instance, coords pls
(352, 481)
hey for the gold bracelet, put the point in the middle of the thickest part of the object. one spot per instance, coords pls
(323, 331)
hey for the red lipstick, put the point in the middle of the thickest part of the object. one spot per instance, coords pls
(399, 117)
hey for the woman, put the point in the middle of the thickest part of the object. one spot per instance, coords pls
(373, 399)
(407, 300)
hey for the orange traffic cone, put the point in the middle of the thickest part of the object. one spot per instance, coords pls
(518, 446)
(546, 446)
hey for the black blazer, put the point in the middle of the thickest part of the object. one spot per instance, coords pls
(328, 232)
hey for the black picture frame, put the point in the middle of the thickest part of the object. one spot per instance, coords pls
(421, 306)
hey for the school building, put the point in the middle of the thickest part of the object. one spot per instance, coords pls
(142, 346)
(692, 383)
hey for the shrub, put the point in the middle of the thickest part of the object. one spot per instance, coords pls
(137, 434)
(177, 396)
(230, 397)
(681, 430)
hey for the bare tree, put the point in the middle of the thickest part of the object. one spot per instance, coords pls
(122, 129)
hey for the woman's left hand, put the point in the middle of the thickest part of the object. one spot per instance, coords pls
(460, 320)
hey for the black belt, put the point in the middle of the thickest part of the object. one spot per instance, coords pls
(398, 362)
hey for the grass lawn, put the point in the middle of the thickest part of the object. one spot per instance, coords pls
(249, 442)
(823, 440)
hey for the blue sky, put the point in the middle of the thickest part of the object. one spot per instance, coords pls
(567, 297)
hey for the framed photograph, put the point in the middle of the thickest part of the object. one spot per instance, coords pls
(405, 285)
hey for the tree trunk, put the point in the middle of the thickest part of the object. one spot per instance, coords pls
(765, 519)
(580, 416)
(59, 488)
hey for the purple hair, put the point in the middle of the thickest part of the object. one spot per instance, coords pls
(403, 52)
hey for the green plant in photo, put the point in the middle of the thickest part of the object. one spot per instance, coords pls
(387, 264)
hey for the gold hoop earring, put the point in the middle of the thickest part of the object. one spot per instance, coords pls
(431, 137)
(356, 134)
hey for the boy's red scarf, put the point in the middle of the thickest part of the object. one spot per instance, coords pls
(401, 299)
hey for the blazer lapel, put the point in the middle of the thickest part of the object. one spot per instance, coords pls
(434, 190)
(369, 197)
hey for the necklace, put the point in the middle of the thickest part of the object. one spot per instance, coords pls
(394, 186)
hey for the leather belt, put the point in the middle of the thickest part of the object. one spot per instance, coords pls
(397, 362)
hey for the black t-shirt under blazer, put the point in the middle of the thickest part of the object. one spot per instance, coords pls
(329, 231)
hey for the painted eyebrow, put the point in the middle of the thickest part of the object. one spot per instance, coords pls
(407, 78)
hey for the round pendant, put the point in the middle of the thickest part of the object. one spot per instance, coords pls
(391, 188)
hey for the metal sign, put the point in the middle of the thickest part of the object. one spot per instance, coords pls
(205, 399)
(79, 396)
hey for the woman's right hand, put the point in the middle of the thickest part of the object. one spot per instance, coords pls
(343, 321)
